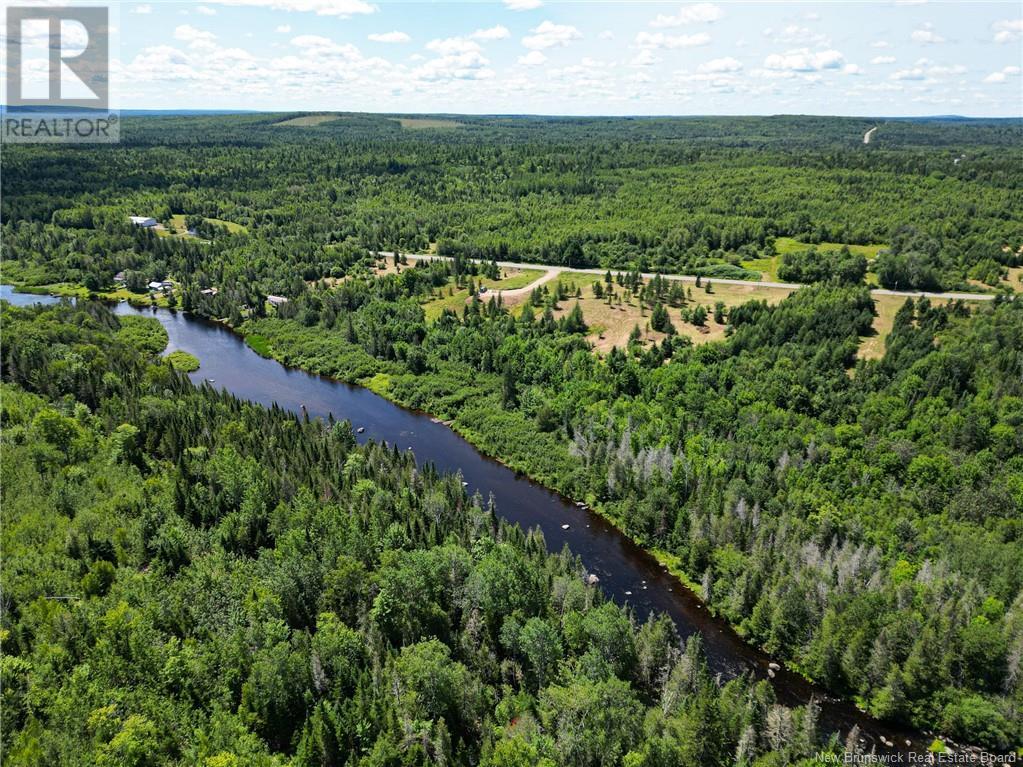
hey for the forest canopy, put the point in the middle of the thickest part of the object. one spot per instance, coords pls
(860, 519)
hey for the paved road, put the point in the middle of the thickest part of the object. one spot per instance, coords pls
(553, 271)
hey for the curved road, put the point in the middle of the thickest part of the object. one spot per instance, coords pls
(553, 271)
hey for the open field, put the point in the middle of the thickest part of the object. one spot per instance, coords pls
(1013, 280)
(789, 245)
(231, 226)
(610, 325)
(511, 279)
(873, 347)
(426, 123)
(307, 121)
(768, 266)
(380, 268)
(178, 227)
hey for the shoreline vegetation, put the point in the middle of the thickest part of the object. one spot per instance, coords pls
(390, 382)
(470, 425)
(838, 471)
(216, 653)
(182, 361)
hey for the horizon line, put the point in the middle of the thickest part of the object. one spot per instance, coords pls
(4, 108)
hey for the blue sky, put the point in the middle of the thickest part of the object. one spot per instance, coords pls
(527, 56)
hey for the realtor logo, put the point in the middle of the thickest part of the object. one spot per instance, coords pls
(57, 75)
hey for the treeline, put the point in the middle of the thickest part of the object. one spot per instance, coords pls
(193, 580)
(657, 195)
(861, 519)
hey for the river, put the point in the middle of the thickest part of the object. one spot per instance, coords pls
(627, 573)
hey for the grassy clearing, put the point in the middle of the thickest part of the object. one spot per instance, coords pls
(872, 347)
(183, 361)
(1013, 281)
(307, 121)
(789, 245)
(511, 279)
(427, 123)
(768, 265)
(178, 227)
(610, 325)
(1015, 278)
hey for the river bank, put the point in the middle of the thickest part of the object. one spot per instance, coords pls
(627, 573)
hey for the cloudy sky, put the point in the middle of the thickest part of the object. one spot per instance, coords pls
(897, 57)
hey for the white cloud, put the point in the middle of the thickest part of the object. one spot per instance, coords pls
(852, 69)
(532, 59)
(926, 35)
(645, 58)
(284, 29)
(880, 44)
(341, 8)
(389, 37)
(938, 70)
(804, 60)
(205, 10)
(883, 60)
(492, 33)
(795, 34)
(196, 38)
(925, 69)
(607, 34)
(522, 5)
(1001, 76)
(465, 65)
(661, 40)
(699, 13)
(453, 46)
(916, 73)
(319, 47)
(142, 9)
(1008, 30)
(726, 64)
(549, 34)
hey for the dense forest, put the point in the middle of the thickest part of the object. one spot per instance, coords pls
(271, 204)
(190, 580)
(861, 519)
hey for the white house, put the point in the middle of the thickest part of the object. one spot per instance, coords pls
(145, 221)
(155, 285)
(276, 300)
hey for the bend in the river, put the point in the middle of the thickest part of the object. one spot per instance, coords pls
(628, 574)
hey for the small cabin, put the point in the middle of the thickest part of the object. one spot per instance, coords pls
(155, 285)
(276, 300)
(145, 221)
(209, 291)
(119, 277)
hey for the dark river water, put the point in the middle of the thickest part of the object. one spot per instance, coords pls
(627, 573)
